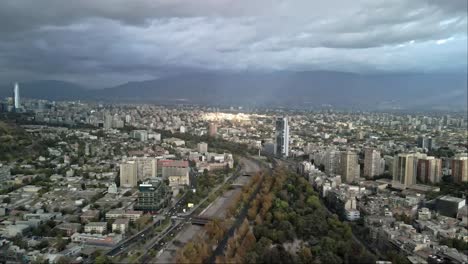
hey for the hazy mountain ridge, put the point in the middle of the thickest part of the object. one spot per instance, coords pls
(281, 88)
(48, 89)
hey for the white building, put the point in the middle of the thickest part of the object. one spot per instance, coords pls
(372, 163)
(96, 227)
(202, 147)
(141, 135)
(120, 225)
(128, 174)
(16, 92)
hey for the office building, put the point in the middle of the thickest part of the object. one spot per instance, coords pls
(282, 137)
(429, 170)
(128, 174)
(460, 168)
(16, 97)
(153, 196)
(372, 163)
(349, 166)
(449, 205)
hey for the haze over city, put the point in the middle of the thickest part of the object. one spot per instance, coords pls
(222, 131)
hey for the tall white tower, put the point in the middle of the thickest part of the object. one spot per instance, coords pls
(282, 137)
(16, 92)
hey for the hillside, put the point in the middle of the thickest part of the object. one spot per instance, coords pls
(297, 89)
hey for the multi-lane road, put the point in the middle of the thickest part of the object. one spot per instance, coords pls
(248, 167)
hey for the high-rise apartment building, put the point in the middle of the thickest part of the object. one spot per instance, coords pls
(429, 170)
(128, 174)
(332, 162)
(282, 137)
(405, 168)
(147, 167)
(460, 169)
(349, 166)
(107, 121)
(426, 142)
(372, 163)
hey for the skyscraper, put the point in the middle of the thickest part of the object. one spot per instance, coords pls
(16, 96)
(282, 137)
(372, 162)
(349, 166)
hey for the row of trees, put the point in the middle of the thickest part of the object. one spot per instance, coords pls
(201, 247)
(288, 211)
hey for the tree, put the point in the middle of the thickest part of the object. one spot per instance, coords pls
(63, 260)
(60, 243)
(102, 260)
(305, 255)
(7, 200)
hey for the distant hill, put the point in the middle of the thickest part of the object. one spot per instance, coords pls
(299, 89)
(302, 89)
(48, 89)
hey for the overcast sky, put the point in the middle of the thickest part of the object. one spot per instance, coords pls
(106, 42)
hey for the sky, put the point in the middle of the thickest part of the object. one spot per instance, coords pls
(108, 42)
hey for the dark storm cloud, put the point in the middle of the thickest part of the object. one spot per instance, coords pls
(110, 41)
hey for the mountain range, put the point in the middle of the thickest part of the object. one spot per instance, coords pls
(297, 89)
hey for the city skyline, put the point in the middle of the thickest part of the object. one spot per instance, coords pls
(234, 131)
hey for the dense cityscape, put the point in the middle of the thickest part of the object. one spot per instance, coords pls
(87, 182)
(234, 132)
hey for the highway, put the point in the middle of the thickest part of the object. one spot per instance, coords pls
(248, 167)
(123, 246)
(144, 234)
(254, 167)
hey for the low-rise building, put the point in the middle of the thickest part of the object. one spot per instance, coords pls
(96, 227)
(129, 214)
(109, 240)
(120, 225)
